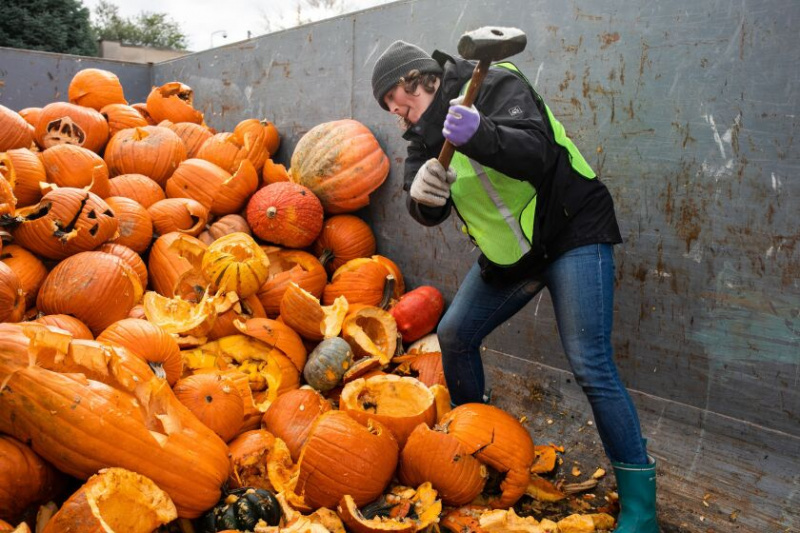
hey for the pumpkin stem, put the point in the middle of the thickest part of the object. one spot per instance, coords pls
(158, 369)
(388, 292)
(399, 350)
(272, 211)
(327, 255)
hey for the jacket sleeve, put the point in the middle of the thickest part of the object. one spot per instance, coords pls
(425, 215)
(513, 137)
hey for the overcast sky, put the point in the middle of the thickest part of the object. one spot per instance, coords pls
(203, 21)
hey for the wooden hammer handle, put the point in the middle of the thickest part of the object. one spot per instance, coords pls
(446, 155)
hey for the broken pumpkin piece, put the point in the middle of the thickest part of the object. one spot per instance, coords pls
(302, 312)
(544, 459)
(504, 521)
(363, 368)
(464, 519)
(235, 263)
(425, 366)
(358, 523)
(543, 490)
(174, 266)
(278, 336)
(371, 332)
(249, 453)
(292, 414)
(179, 316)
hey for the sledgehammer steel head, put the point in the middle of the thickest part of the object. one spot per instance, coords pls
(491, 43)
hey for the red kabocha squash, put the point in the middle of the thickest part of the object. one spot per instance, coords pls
(193, 135)
(134, 223)
(68, 323)
(95, 287)
(66, 221)
(120, 117)
(15, 132)
(342, 456)
(12, 295)
(29, 270)
(214, 400)
(133, 259)
(148, 342)
(235, 263)
(114, 499)
(343, 237)
(151, 150)
(24, 171)
(173, 101)
(418, 312)
(342, 162)
(68, 165)
(224, 226)
(25, 478)
(95, 88)
(291, 416)
(137, 187)
(285, 213)
(285, 266)
(64, 123)
(183, 215)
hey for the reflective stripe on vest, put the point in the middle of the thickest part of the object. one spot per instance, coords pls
(498, 211)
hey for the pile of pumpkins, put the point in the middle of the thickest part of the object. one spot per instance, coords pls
(209, 342)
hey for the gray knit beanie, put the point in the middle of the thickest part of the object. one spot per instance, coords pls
(397, 61)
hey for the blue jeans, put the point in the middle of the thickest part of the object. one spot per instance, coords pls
(581, 285)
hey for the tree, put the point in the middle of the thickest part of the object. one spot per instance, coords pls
(49, 25)
(146, 29)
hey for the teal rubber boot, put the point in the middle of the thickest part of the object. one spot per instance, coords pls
(636, 487)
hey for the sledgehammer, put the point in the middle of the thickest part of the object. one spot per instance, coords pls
(487, 44)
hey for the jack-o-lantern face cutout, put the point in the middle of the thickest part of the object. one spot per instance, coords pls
(64, 131)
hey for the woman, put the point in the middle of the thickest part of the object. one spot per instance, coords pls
(540, 217)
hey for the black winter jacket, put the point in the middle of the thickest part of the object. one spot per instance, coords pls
(515, 138)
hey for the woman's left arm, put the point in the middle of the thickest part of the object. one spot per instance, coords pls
(512, 136)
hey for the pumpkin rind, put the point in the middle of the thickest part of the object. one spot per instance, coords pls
(248, 453)
(342, 162)
(214, 400)
(291, 416)
(68, 323)
(287, 266)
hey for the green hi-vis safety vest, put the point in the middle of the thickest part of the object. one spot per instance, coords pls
(498, 211)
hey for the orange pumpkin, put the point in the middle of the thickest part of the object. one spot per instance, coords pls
(137, 187)
(341, 162)
(141, 107)
(273, 137)
(302, 312)
(68, 165)
(25, 478)
(134, 223)
(15, 132)
(342, 456)
(242, 311)
(291, 416)
(248, 454)
(274, 172)
(31, 115)
(95, 287)
(122, 116)
(212, 186)
(247, 141)
(193, 135)
(286, 266)
(29, 269)
(174, 265)
(131, 258)
(149, 343)
(68, 323)
(371, 332)
(285, 213)
(235, 263)
(214, 400)
(64, 123)
(173, 101)
(151, 150)
(25, 171)
(343, 237)
(12, 295)
(64, 222)
(224, 226)
(434, 455)
(361, 281)
(95, 88)
(183, 215)
(278, 336)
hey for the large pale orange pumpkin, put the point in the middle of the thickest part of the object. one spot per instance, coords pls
(286, 266)
(343, 237)
(15, 132)
(137, 187)
(342, 456)
(173, 101)
(25, 478)
(64, 222)
(68, 165)
(285, 213)
(214, 400)
(148, 342)
(291, 416)
(151, 150)
(29, 269)
(95, 88)
(25, 171)
(129, 422)
(95, 287)
(342, 162)
(65, 123)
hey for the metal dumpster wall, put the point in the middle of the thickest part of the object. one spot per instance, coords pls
(688, 112)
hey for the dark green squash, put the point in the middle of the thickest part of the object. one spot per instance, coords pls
(241, 509)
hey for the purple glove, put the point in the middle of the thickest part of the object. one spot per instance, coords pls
(461, 123)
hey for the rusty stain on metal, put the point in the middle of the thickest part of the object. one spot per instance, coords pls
(607, 39)
(581, 15)
(572, 48)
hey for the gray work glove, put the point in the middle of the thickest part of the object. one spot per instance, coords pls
(431, 185)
